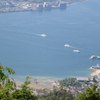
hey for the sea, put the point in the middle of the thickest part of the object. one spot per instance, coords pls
(24, 48)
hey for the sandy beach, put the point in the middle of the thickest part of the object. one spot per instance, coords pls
(95, 72)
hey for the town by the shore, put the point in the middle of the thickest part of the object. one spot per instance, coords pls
(17, 6)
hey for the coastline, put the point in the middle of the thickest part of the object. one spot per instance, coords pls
(95, 72)
(20, 6)
(38, 82)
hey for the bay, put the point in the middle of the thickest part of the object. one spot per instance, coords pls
(24, 49)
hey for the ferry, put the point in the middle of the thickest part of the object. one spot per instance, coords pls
(94, 57)
(67, 45)
(95, 67)
(43, 35)
(76, 51)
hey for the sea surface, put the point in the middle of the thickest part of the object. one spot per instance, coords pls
(23, 49)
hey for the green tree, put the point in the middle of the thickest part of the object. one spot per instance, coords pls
(24, 93)
(89, 94)
(4, 73)
(7, 85)
(70, 82)
(8, 89)
(57, 95)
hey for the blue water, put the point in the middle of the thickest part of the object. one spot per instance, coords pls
(23, 49)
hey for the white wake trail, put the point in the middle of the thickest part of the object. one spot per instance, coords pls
(42, 35)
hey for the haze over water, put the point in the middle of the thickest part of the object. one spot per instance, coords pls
(24, 49)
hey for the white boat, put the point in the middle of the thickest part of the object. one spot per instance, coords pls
(67, 45)
(43, 35)
(94, 57)
(78, 51)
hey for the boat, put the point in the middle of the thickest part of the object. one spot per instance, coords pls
(95, 67)
(94, 57)
(78, 51)
(67, 45)
(43, 35)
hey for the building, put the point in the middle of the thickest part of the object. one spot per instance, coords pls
(62, 5)
(83, 79)
(47, 5)
(39, 6)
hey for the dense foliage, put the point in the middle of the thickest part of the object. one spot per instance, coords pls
(57, 95)
(7, 84)
(70, 82)
(8, 89)
(89, 94)
(24, 93)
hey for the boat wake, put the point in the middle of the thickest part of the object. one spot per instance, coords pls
(42, 35)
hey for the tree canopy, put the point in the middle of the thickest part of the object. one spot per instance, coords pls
(61, 94)
(70, 82)
(8, 89)
(89, 94)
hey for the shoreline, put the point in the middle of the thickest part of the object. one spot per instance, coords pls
(95, 72)
(42, 82)
(38, 82)
(17, 6)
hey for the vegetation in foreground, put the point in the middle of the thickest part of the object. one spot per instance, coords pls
(9, 90)
(57, 95)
